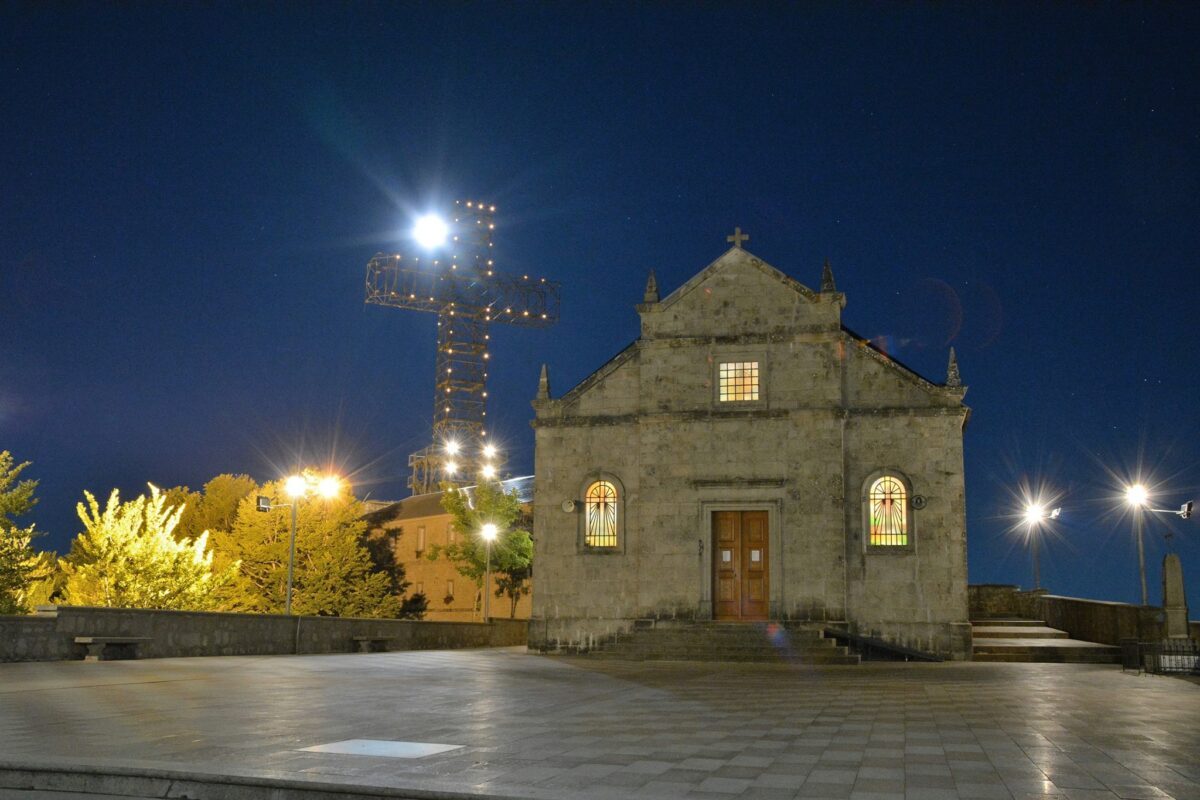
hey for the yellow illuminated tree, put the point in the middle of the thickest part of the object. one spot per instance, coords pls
(21, 567)
(128, 557)
(334, 574)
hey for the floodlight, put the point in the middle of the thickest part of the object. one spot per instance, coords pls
(295, 486)
(488, 531)
(451, 447)
(329, 486)
(431, 231)
(1136, 495)
(1034, 513)
(489, 451)
(263, 503)
(488, 471)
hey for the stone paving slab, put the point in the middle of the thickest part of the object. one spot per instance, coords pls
(540, 727)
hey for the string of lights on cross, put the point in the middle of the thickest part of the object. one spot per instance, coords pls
(449, 269)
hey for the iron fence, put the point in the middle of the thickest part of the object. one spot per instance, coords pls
(1168, 656)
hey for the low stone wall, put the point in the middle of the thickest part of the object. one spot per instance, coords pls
(1100, 621)
(50, 634)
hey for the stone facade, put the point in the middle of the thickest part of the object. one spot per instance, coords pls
(832, 414)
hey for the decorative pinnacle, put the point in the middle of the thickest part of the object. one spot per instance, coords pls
(827, 284)
(738, 237)
(543, 392)
(952, 376)
(651, 295)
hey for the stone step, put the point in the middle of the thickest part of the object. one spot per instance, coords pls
(649, 654)
(1050, 656)
(1017, 631)
(1008, 623)
(700, 650)
(672, 640)
(1071, 651)
(747, 638)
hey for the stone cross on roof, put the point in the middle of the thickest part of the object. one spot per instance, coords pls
(738, 237)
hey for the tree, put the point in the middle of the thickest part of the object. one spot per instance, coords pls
(214, 509)
(334, 575)
(381, 546)
(20, 565)
(128, 557)
(511, 552)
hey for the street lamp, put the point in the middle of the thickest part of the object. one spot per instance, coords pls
(488, 531)
(1137, 496)
(296, 487)
(1035, 514)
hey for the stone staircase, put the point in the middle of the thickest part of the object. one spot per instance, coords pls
(1030, 640)
(769, 642)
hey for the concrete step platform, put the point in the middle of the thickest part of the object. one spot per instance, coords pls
(1008, 623)
(1072, 651)
(1018, 631)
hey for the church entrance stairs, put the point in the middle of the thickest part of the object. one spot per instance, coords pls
(1031, 640)
(769, 642)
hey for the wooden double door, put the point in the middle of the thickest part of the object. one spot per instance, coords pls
(741, 572)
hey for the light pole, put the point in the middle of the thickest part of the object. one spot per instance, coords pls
(1035, 514)
(296, 487)
(1137, 496)
(488, 531)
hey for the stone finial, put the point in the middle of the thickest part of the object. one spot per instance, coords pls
(738, 237)
(543, 392)
(952, 376)
(651, 295)
(827, 284)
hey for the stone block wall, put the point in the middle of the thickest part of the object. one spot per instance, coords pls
(50, 635)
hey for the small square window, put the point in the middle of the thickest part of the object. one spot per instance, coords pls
(738, 381)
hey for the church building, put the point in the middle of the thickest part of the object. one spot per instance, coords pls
(748, 458)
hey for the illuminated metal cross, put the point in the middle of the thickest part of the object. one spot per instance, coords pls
(462, 287)
(738, 237)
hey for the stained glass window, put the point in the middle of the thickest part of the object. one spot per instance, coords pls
(889, 513)
(738, 381)
(600, 508)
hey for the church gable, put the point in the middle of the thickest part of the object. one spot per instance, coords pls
(612, 389)
(739, 294)
(877, 380)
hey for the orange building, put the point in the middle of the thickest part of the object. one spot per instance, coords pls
(418, 523)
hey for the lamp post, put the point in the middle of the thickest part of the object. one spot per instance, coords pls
(1137, 496)
(1035, 515)
(488, 531)
(297, 487)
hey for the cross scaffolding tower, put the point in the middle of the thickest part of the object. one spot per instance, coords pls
(462, 287)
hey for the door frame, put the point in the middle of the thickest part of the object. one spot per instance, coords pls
(774, 550)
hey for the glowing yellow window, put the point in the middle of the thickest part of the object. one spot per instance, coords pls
(889, 513)
(738, 380)
(600, 509)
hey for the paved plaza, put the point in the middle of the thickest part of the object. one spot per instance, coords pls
(540, 727)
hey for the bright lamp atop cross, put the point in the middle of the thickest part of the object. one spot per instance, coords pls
(431, 231)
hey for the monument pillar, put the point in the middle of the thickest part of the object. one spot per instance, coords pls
(1174, 601)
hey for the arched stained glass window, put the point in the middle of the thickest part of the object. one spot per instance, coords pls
(600, 508)
(889, 513)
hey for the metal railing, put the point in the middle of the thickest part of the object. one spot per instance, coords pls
(1165, 657)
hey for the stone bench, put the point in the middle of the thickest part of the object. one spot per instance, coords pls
(372, 644)
(107, 648)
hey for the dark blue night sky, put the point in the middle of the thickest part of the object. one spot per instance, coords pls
(189, 194)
